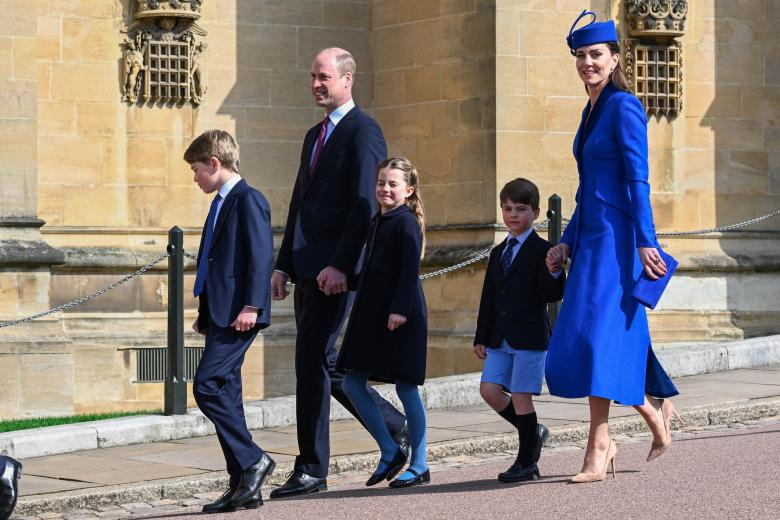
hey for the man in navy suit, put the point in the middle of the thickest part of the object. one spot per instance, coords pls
(233, 283)
(330, 212)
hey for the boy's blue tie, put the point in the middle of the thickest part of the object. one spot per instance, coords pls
(506, 257)
(203, 265)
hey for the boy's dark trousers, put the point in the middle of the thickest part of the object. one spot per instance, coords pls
(319, 319)
(218, 391)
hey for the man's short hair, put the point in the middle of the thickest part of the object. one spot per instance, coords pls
(214, 143)
(345, 62)
(520, 191)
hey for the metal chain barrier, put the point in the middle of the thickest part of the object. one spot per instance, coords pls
(721, 229)
(87, 298)
(480, 255)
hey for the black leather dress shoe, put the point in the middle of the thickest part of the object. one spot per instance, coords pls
(247, 494)
(222, 504)
(391, 469)
(300, 483)
(541, 437)
(420, 479)
(519, 473)
(402, 439)
(10, 473)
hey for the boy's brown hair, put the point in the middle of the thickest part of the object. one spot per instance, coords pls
(520, 191)
(214, 143)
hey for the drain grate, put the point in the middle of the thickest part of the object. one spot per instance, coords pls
(151, 364)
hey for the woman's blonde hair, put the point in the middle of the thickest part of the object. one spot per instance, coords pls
(411, 177)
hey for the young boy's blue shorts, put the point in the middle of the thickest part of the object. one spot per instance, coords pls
(518, 371)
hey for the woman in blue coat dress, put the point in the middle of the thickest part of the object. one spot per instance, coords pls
(601, 347)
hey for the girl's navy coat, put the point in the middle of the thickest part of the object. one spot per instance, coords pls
(389, 283)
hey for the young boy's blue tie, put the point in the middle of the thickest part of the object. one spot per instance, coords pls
(506, 258)
(203, 265)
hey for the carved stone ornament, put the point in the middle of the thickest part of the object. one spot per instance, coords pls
(164, 54)
(661, 18)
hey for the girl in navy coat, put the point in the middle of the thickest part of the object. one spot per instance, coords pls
(386, 339)
(600, 347)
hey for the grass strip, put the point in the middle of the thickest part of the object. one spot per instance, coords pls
(12, 425)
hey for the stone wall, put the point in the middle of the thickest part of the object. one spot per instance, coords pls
(539, 97)
(475, 92)
(434, 94)
(717, 165)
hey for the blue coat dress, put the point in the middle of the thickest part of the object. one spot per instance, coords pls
(601, 342)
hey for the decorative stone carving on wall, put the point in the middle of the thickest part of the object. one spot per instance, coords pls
(656, 17)
(654, 56)
(164, 53)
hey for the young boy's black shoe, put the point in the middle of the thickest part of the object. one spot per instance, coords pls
(541, 437)
(519, 473)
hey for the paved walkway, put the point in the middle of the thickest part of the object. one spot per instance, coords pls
(720, 472)
(201, 456)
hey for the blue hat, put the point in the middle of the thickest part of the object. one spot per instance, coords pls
(593, 32)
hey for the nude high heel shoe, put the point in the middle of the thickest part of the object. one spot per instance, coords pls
(666, 410)
(585, 476)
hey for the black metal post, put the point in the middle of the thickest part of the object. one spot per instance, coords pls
(554, 236)
(175, 384)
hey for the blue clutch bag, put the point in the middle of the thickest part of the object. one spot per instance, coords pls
(647, 291)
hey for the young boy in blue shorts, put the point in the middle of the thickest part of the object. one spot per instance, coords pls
(513, 328)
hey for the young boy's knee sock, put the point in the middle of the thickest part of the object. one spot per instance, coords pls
(526, 431)
(509, 414)
(354, 385)
(415, 418)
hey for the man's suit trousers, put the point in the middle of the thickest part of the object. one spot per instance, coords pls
(319, 319)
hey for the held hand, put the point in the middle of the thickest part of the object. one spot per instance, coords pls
(480, 351)
(557, 257)
(332, 281)
(395, 321)
(279, 286)
(196, 329)
(246, 319)
(654, 265)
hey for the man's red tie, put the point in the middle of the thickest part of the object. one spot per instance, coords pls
(320, 143)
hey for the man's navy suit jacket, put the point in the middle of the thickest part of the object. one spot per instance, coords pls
(240, 259)
(331, 207)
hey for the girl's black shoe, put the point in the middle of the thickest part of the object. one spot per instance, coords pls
(419, 479)
(392, 469)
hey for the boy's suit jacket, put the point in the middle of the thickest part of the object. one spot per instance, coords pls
(513, 308)
(240, 259)
(331, 207)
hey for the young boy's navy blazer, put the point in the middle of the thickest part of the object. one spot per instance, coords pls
(240, 258)
(240, 264)
(513, 308)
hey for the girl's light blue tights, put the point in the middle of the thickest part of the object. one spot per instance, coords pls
(354, 386)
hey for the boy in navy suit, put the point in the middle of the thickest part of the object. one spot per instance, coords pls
(234, 291)
(513, 328)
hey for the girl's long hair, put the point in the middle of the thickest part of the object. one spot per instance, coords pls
(414, 201)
